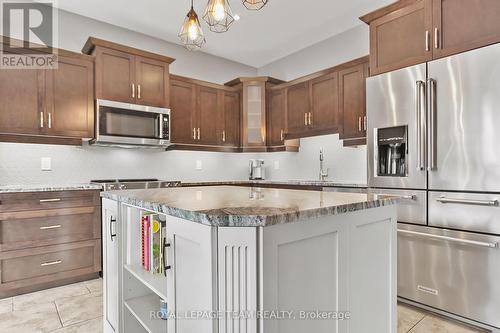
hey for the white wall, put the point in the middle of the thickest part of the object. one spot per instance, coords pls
(20, 163)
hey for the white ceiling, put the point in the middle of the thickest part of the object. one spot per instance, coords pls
(281, 28)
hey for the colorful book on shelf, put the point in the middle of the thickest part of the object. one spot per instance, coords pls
(143, 241)
(156, 245)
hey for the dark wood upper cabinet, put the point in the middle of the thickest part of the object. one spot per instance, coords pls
(207, 110)
(115, 75)
(230, 132)
(298, 108)
(461, 25)
(21, 109)
(410, 32)
(352, 102)
(51, 105)
(152, 79)
(401, 38)
(276, 117)
(70, 98)
(183, 107)
(325, 104)
(129, 75)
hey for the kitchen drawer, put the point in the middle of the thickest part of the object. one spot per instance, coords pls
(28, 267)
(10, 202)
(26, 229)
(465, 211)
(412, 207)
(449, 270)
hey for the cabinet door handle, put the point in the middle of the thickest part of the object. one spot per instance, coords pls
(359, 124)
(56, 226)
(41, 119)
(198, 133)
(223, 136)
(50, 263)
(166, 266)
(427, 40)
(50, 119)
(111, 221)
(305, 118)
(49, 200)
(436, 38)
(281, 135)
(365, 123)
(194, 133)
(133, 90)
(310, 121)
(139, 91)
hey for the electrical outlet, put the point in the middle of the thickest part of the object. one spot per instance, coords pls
(276, 165)
(46, 163)
(199, 165)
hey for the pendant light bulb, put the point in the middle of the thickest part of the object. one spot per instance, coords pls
(192, 30)
(219, 12)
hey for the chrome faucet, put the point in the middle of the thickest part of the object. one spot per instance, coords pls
(322, 173)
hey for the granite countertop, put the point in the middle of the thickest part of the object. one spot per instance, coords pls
(48, 188)
(297, 182)
(246, 207)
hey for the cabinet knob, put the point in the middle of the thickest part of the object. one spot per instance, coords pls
(133, 90)
(223, 136)
(41, 119)
(198, 133)
(310, 121)
(194, 133)
(305, 118)
(359, 124)
(139, 91)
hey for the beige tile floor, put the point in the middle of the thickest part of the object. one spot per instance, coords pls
(77, 308)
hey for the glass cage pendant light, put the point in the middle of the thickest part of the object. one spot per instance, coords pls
(254, 4)
(218, 15)
(191, 35)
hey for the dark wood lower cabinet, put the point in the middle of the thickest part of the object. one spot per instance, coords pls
(48, 246)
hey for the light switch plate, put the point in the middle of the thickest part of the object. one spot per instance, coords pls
(276, 165)
(46, 163)
(199, 165)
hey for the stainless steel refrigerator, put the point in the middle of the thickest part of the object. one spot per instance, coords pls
(434, 139)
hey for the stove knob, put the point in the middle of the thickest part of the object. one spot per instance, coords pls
(111, 187)
(122, 187)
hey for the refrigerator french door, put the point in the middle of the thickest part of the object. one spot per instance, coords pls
(464, 119)
(393, 105)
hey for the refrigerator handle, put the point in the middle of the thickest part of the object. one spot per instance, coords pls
(420, 103)
(431, 118)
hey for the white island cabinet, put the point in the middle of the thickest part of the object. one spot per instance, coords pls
(282, 261)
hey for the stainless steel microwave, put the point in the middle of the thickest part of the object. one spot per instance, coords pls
(130, 125)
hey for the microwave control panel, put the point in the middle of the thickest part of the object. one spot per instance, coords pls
(166, 127)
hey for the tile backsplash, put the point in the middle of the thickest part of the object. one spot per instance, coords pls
(21, 163)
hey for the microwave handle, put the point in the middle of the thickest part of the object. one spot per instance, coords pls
(160, 124)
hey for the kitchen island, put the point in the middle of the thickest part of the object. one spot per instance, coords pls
(242, 259)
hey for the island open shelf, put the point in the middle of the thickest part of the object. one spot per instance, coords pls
(142, 290)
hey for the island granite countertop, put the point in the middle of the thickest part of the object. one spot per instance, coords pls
(246, 207)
